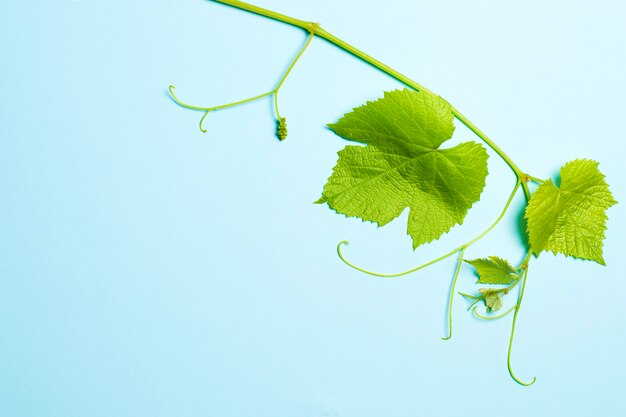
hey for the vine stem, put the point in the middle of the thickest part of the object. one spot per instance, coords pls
(316, 29)
(513, 323)
(452, 290)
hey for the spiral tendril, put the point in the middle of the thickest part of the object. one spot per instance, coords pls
(282, 126)
(202, 121)
(399, 274)
(480, 316)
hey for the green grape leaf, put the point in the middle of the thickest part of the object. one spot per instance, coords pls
(571, 219)
(492, 299)
(403, 166)
(494, 270)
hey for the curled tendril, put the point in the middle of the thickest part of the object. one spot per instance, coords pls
(282, 131)
(515, 378)
(480, 316)
(474, 303)
(399, 274)
(181, 103)
(207, 110)
(202, 121)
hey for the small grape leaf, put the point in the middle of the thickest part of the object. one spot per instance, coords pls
(402, 165)
(571, 219)
(492, 299)
(494, 270)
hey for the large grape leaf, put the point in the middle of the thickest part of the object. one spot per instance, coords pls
(571, 219)
(403, 166)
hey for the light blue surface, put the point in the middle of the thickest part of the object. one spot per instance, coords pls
(147, 269)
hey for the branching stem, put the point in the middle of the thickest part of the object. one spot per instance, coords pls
(273, 92)
(207, 110)
(535, 179)
(284, 77)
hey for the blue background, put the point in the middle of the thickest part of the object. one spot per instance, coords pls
(147, 269)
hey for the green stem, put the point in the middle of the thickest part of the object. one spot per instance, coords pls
(495, 223)
(451, 299)
(293, 63)
(515, 313)
(284, 77)
(267, 13)
(509, 288)
(318, 31)
(315, 29)
(276, 105)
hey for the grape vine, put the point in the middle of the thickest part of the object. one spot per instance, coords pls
(399, 163)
